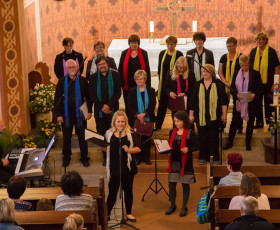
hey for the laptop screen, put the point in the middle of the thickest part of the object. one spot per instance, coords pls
(49, 147)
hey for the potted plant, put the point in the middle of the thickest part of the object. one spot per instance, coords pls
(273, 125)
(42, 101)
(8, 141)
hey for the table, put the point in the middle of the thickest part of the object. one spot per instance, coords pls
(216, 45)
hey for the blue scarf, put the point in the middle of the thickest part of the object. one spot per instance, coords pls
(141, 108)
(110, 89)
(78, 102)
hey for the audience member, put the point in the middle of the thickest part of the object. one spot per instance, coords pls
(73, 197)
(249, 219)
(250, 186)
(44, 204)
(233, 162)
(74, 222)
(15, 188)
(7, 215)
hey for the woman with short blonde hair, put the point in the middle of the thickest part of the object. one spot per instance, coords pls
(74, 222)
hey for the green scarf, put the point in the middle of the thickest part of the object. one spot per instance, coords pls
(172, 62)
(212, 103)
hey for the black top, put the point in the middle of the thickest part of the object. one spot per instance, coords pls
(133, 106)
(191, 144)
(171, 86)
(273, 61)
(114, 155)
(113, 103)
(111, 64)
(250, 222)
(58, 63)
(1, 155)
(166, 64)
(254, 86)
(209, 59)
(223, 61)
(222, 100)
(133, 66)
(59, 108)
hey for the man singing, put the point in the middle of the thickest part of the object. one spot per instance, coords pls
(105, 91)
(68, 111)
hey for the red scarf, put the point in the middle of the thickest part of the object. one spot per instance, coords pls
(183, 145)
(179, 85)
(125, 65)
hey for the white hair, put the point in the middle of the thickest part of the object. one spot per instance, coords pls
(250, 206)
(70, 60)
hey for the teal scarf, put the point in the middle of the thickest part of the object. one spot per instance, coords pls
(110, 89)
(141, 107)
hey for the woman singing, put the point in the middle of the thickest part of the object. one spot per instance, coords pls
(183, 142)
(120, 131)
(166, 62)
(142, 103)
(131, 60)
(208, 107)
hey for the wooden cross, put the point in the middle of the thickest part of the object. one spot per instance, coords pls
(174, 7)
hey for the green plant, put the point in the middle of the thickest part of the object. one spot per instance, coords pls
(272, 123)
(41, 98)
(8, 141)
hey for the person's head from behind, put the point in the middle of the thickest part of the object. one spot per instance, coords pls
(249, 206)
(7, 211)
(44, 204)
(72, 183)
(234, 162)
(73, 222)
(181, 120)
(16, 187)
(250, 185)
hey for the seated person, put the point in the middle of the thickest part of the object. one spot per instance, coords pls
(44, 204)
(250, 186)
(15, 188)
(74, 222)
(5, 171)
(233, 162)
(249, 218)
(73, 197)
(7, 215)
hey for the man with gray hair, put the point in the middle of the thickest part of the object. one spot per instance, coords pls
(249, 218)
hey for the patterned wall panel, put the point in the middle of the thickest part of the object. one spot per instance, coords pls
(90, 20)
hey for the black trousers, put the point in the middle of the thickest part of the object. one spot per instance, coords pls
(67, 136)
(208, 140)
(267, 97)
(235, 124)
(162, 106)
(125, 97)
(127, 186)
(145, 149)
(102, 125)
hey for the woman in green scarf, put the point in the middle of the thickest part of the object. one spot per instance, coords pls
(166, 61)
(208, 108)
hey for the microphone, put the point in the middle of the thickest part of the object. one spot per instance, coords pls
(120, 133)
(189, 56)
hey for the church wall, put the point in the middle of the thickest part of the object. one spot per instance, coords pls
(87, 21)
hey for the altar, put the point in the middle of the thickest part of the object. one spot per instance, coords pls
(216, 45)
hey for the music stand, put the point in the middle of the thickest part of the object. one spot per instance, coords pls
(156, 180)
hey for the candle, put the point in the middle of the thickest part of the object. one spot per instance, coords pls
(276, 89)
(152, 27)
(194, 26)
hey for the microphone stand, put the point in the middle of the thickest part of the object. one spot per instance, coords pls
(123, 221)
(65, 91)
(156, 180)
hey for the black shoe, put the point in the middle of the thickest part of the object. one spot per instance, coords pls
(65, 163)
(137, 161)
(104, 163)
(131, 220)
(85, 163)
(170, 210)
(183, 212)
(227, 146)
(248, 148)
(148, 162)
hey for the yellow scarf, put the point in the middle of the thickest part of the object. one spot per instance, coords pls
(172, 62)
(212, 103)
(230, 71)
(264, 63)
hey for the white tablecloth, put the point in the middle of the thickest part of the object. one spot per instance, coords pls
(216, 45)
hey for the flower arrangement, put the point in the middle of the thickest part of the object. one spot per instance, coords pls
(28, 142)
(41, 98)
(272, 123)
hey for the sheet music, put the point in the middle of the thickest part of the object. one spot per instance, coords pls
(245, 96)
(90, 134)
(162, 145)
(84, 109)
